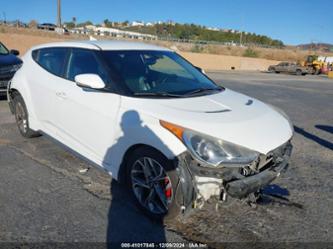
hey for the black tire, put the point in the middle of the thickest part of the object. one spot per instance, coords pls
(277, 71)
(21, 117)
(173, 206)
(298, 72)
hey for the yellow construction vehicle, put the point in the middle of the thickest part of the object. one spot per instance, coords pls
(315, 63)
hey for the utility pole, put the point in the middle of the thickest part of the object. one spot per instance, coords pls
(59, 14)
(240, 38)
(4, 17)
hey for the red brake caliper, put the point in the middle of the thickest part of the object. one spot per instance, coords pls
(168, 189)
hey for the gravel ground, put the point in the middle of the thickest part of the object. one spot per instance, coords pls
(44, 197)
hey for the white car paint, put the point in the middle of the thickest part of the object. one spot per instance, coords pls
(225, 115)
(103, 126)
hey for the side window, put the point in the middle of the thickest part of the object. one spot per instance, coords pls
(51, 59)
(83, 61)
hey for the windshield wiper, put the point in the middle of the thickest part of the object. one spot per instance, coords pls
(173, 95)
(158, 94)
(201, 90)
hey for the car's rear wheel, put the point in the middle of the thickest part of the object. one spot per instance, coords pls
(298, 72)
(153, 181)
(21, 117)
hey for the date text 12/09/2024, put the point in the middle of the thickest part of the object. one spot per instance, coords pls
(164, 245)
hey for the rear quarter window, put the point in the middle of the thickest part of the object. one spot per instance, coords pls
(34, 55)
(51, 59)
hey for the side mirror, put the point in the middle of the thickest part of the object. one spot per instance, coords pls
(92, 81)
(14, 52)
(200, 70)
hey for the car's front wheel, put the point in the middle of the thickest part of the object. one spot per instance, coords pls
(21, 117)
(153, 181)
(299, 72)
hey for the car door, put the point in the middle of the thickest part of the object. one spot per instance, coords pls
(279, 67)
(86, 117)
(284, 67)
(291, 68)
(44, 77)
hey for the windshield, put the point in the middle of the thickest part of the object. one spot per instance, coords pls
(163, 73)
(3, 49)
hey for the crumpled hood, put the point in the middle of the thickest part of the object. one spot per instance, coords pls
(228, 115)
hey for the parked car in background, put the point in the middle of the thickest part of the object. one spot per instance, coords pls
(288, 67)
(61, 31)
(47, 26)
(9, 64)
(152, 120)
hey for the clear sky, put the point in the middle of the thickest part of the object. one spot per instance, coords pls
(292, 21)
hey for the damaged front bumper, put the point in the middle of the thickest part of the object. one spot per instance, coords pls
(237, 181)
(250, 184)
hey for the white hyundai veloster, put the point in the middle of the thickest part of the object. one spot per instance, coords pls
(152, 120)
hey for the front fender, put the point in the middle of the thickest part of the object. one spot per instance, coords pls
(139, 129)
(20, 83)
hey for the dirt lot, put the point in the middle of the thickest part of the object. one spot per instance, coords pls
(24, 41)
(44, 197)
(289, 53)
(211, 62)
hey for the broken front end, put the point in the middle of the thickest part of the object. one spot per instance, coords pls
(233, 180)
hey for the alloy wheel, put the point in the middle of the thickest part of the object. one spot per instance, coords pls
(151, 185)
(21, 117)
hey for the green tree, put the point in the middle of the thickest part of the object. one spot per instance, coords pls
(69, 25)
(200, 33)
(107, 23)
(86, 23)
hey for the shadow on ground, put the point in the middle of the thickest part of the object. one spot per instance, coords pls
(126, 223)
(326, 128)
(308, 135)
(275, 194)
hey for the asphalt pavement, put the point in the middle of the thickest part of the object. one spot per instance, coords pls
(49, 194)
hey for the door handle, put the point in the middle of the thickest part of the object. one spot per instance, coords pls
(61, 95)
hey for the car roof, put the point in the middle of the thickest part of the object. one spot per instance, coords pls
(104, 45)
